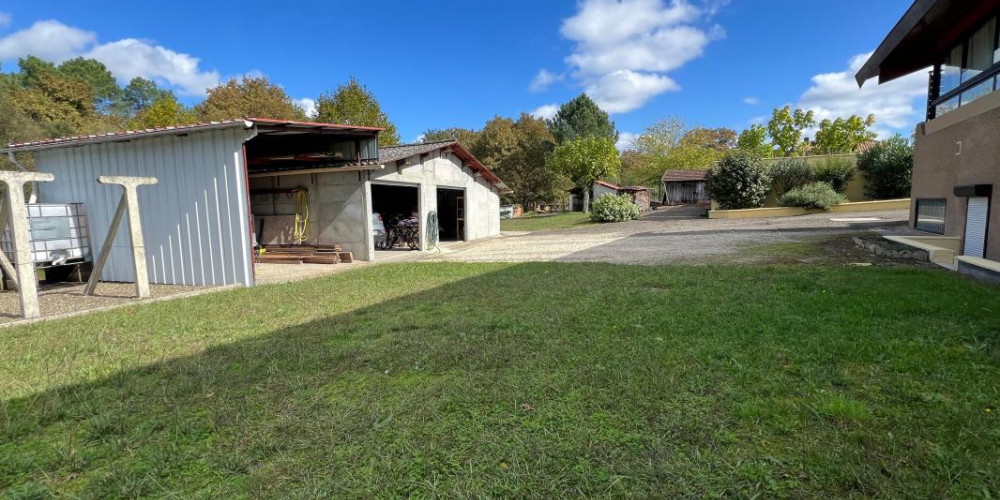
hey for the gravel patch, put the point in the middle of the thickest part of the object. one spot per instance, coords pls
(68, 298)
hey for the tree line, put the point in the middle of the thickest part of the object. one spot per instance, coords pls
(80, 96)
(538, 158)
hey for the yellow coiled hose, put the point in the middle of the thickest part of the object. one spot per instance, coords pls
(300, 230)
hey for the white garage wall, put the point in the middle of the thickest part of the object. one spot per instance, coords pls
(442, 169)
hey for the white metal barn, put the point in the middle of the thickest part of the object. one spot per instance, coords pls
(224, 185)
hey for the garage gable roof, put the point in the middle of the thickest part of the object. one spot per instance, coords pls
(397, 153)
(264, 125)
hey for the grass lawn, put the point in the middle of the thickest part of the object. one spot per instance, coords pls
(508, 380)
(544, 222)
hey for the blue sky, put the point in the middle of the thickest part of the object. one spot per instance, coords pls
(458, 63)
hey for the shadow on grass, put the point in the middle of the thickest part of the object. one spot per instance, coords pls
(507, 380)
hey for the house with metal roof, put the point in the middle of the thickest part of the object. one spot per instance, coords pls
(956, 149)
(228, 187)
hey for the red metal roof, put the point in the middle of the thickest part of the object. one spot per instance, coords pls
(608, 185)
(245, 123)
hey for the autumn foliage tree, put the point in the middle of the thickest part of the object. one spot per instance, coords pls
(245, 98)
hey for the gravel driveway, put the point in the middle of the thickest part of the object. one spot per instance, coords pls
(667, 236)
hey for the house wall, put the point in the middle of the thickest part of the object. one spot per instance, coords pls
(442, 169)
(937, 168)
(338, 208)
(194, 220)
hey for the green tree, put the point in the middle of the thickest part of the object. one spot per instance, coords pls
(888, 168)
(353, 104)
(248, 98)
(140, 93)
(581, 117)
(844, 135)
(464, 136)
(739, 180)
(103, 87)
(585, 160)
(785, 129)
(754, 140)
(165, 111)
(31, 69)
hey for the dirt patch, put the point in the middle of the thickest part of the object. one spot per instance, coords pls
(66, 298)
(838, 249)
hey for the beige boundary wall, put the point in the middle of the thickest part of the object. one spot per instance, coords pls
(861, 206)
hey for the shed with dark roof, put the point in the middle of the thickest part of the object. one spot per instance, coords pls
(683, 187)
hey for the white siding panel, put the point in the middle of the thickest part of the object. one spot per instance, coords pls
(194, 219)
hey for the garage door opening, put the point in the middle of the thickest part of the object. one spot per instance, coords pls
(392, 204)
(451, 214)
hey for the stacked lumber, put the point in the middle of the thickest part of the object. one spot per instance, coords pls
(304, 254)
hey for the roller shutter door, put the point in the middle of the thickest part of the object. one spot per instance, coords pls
(975, 226)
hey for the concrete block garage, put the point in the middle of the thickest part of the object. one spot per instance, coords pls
(226, 187)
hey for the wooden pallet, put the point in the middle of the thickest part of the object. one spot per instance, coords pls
(304, 254)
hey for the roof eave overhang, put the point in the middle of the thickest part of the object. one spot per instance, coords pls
(921, 37)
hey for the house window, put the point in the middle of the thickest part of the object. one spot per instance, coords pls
(930, 215)
(951, 70)
(969, 71)
(981, 48)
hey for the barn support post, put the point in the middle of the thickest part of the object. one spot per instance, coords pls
(4, 261)
(129, 203)
(24, 261)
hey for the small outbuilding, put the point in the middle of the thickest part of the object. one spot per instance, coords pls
(684, 187)
(574, 202)
(226, 187)
(639, 196)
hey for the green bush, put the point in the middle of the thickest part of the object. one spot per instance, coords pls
(739, 180)
(812, 195)
(837, 172)
(888, 168)
(611, 208)
(790, 173)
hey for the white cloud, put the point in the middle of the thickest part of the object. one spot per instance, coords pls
(543, 79)
(126, 58)
(751, 101)
(49, 40)
(625, 47)
(896, 105)
(5, 19)
(626, 90)
(625, 141)
(420, 138)
(758, 120)
(129, 58)
(308, 105)
(547, 111)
